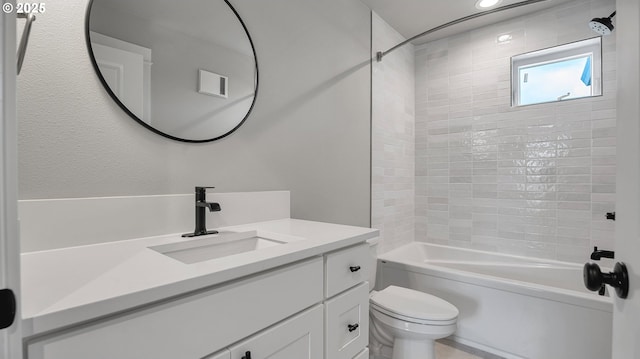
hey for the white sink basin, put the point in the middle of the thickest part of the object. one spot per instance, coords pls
(215, 246)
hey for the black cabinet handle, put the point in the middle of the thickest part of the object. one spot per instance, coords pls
(353, 327)
(354, 268)
(247, 355)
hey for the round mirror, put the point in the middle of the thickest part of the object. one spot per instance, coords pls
(184, 69)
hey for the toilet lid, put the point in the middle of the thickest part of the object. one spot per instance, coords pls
(413, 304)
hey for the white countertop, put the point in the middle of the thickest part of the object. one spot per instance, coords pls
(69, 286)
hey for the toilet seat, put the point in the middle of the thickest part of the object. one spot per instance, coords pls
(402, 318)
(413, 306)
(410, 330)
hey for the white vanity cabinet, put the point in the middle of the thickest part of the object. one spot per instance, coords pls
(195, 325)
(362, 355)
(313, 309)
(345, 268)
(225, 354)
(346, 302)
(347, 323)
(298, 337)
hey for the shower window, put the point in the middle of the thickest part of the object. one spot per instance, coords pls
(559, 73)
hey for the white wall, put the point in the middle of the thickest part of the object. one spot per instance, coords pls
(393, 139)
(534, 180)
(309, 132)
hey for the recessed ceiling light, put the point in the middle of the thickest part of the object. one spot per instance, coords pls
(483, 4)
(504, 38)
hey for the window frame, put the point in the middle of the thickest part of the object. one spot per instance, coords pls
(565, 52)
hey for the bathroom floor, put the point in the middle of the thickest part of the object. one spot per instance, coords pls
(447, 349)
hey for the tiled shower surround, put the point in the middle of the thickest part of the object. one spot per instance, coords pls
(393, 139)
(534, 180)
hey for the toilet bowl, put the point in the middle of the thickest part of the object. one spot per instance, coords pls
(409, 321)
(406, 321)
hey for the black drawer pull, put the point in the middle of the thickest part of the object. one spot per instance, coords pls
(354, 268)
(353, 327)
(247, 355)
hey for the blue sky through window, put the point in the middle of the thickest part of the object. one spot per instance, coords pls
(553, 81)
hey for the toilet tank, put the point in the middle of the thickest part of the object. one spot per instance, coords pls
(373, 261)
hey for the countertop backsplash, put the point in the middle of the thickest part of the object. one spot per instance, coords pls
(58, 223)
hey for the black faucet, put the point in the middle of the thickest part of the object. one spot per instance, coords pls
(597, 254)
(201, 219)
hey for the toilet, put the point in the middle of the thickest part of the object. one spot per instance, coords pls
(404, 323)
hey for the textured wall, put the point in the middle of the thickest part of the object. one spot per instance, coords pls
(534, 180)
(309, 132)
(393, 138)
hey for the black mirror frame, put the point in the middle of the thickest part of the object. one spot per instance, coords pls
(132, 115)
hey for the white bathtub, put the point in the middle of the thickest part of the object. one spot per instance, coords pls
(514, 307)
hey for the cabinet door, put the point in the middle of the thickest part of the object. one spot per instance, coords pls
(296, 338)
(363, 354)
(347, 323)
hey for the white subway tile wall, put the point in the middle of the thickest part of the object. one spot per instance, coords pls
(393, 139)
(534, 180)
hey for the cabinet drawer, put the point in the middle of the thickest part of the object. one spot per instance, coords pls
(363, 354)
(346, 268)
(298, 337)
(193, 326)
(347, 323)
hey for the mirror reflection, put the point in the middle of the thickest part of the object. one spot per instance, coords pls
(184, 69)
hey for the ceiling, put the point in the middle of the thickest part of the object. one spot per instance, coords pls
(411, 17)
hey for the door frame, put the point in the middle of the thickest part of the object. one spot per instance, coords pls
(11, 337)
(627, 245)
